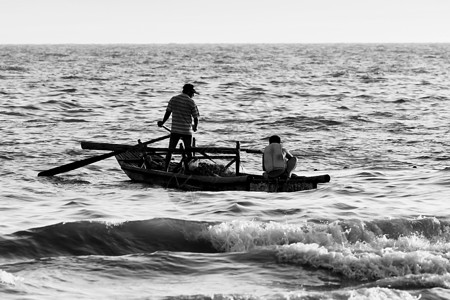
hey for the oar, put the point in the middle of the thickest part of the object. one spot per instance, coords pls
(166, 128)
(81, 163)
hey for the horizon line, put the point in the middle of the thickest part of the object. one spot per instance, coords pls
(223, 43)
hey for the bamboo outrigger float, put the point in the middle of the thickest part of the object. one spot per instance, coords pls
(146, 164)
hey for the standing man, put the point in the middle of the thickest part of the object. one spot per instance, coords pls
(183, 109)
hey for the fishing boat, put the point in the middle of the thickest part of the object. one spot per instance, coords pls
(146, 164)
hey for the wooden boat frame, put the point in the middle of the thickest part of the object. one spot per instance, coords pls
(135, 162)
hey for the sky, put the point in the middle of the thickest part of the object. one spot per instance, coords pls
(225, 21)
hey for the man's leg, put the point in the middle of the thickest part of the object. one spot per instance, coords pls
(187, 141)
(174, 138)
(275, 173)
(290, 166)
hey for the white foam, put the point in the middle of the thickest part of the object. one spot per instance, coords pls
(365, 265)
(245, 235)
(381, 294)
(8, 278)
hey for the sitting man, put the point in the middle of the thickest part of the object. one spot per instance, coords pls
(277, 161)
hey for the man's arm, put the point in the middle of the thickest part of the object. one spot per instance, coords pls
(195, 124)
(165, 118)
(288, 154)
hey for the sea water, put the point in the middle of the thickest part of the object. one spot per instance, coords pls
(375, 117)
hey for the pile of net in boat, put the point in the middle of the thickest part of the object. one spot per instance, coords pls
(195, 168)
(205, 169)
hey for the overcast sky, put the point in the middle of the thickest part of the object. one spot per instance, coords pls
(226, 21)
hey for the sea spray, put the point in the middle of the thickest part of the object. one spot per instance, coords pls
(244, 235)
(327, 246)
(8, 278)
(364, 266)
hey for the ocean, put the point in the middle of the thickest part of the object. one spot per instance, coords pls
(375, 117)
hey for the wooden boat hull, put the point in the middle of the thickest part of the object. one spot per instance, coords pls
(133, 165)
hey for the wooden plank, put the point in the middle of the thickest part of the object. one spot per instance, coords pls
(121, 147)
(230, 163)
(217, 157)
(238, 157)
(104, 146)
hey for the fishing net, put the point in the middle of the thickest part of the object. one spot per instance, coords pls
(206, 169)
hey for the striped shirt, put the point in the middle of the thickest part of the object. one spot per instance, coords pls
(183, 109)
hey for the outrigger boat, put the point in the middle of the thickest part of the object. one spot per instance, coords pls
(146, 164)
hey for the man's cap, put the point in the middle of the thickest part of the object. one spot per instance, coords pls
(189, 88)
